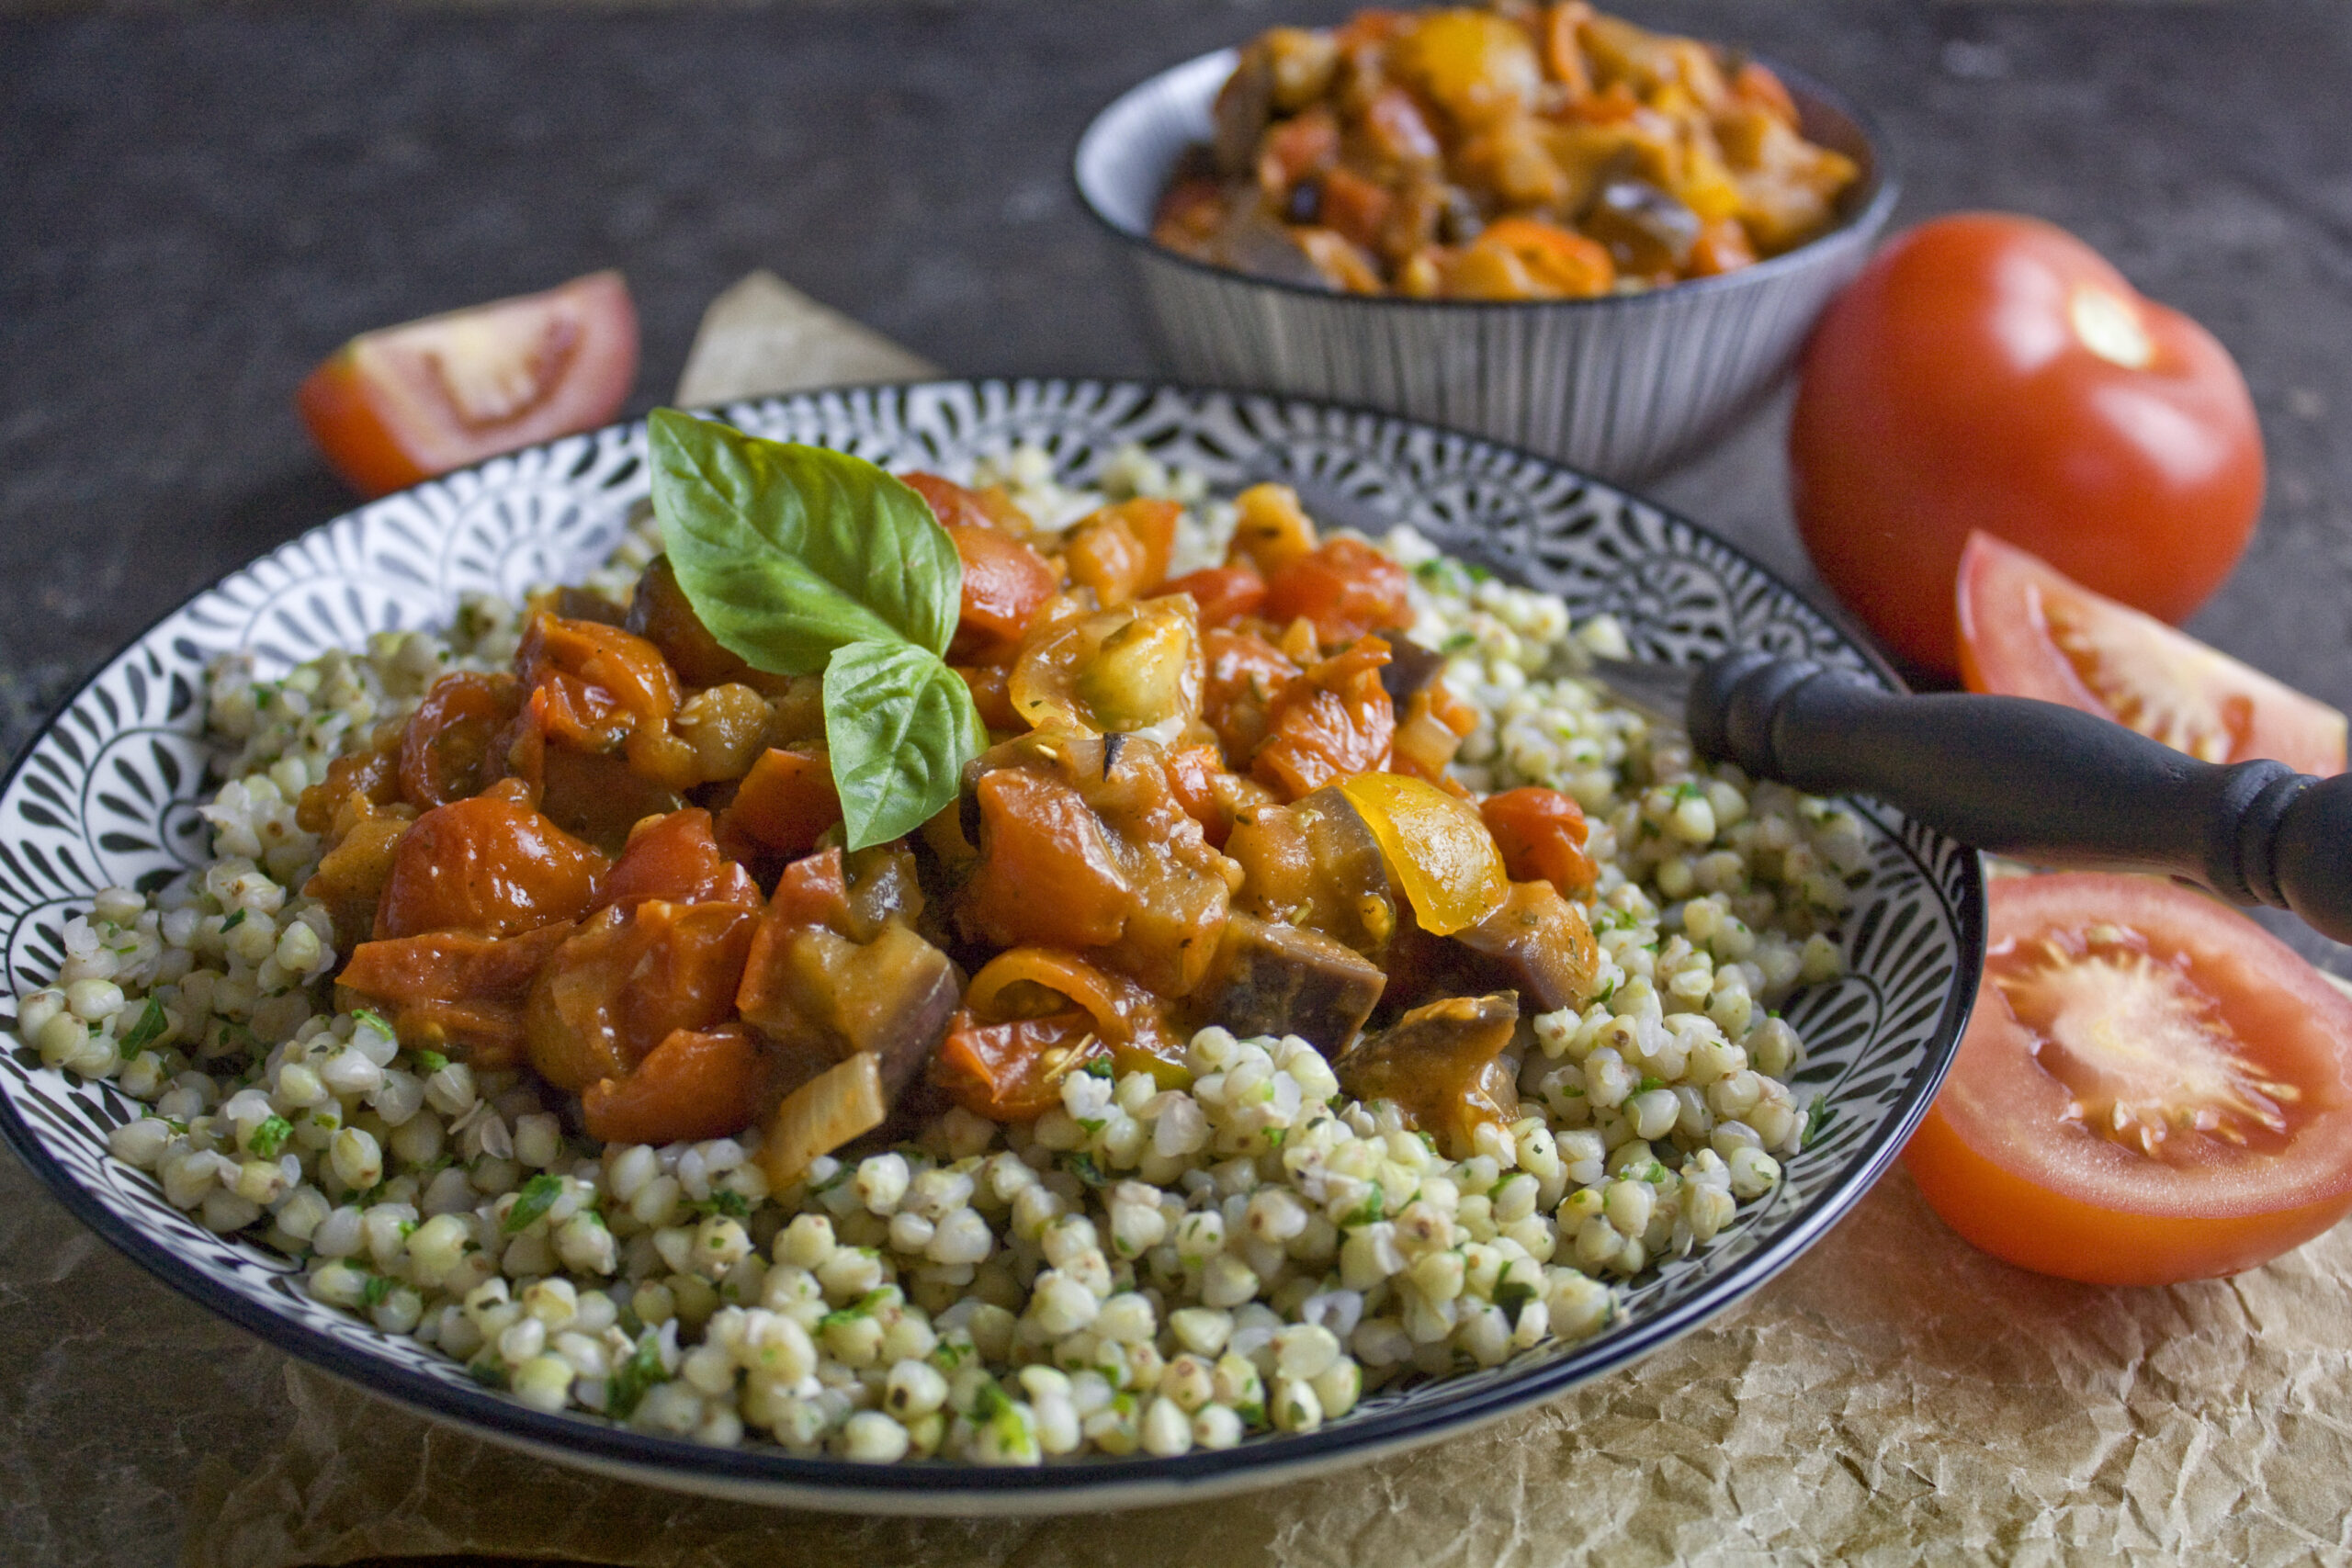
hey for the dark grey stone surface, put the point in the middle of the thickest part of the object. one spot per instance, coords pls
(194, 208)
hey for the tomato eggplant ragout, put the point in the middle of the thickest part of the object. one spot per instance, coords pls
(1521, 151)
(1247, 1013)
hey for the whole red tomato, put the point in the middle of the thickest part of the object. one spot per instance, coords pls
(1988, 371)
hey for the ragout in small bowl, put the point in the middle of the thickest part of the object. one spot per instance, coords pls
(1615, 376)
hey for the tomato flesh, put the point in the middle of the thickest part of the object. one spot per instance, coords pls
(1004, 582)
(2152, 1088)
(1990, 371)
(1345, 586)
(400, 404)
(1540, 834)
(2028, 631)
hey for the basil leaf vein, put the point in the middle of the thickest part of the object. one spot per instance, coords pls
(789, 552)
(900, 725)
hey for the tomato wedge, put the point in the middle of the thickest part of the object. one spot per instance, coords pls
(403, 404)
(2025, 630)
(2152, 1088)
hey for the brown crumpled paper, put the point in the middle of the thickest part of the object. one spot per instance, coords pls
(1895, 1393)
(1895, 1397)
(762, 335)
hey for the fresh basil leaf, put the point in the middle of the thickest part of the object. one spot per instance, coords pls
(900, 725)
(789, 552)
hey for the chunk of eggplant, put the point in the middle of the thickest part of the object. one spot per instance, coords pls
(1244, 104)
(1279, 979)
(1410, 669)
(891, 997)
(1316, 863)
(1538, 944)
(1441, 1065)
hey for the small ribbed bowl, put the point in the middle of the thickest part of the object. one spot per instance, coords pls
(1623, 385)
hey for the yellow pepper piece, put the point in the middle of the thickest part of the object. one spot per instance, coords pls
(1437, 848)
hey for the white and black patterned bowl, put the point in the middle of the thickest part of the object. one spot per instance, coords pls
(1621, 386)
(105, 795)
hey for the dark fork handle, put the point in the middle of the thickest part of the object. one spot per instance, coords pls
(2040, 782)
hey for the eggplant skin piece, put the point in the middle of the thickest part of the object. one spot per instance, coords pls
(1244, 106)
(1409, 670)
(1537, 943)
(1441, 1065)
(1278, 979)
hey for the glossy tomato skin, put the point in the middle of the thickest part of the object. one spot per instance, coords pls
(2028, 631)
(1996, 1158)
(400, 404)
(1959, 384)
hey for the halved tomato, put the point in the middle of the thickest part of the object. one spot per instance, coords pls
(403, 404)
(2152, 1088)
(2027, 630)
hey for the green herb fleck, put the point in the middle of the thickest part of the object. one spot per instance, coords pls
(1082, 1165)
(1513, 1295)
(147, 1031)
(487, 1371)
(1649, 1081)
(539, 1195)
(232, 922)
(1373, 1210)
(989, 1401)
(378, 1287)
(1100, 1067)
(270, 1136)
(724, 1201)
(855, 1310)
(431, 1060)
(629, 1381)
(1817, 1118)
(374, 1020)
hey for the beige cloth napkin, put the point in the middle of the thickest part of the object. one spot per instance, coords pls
(1895, 1397)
